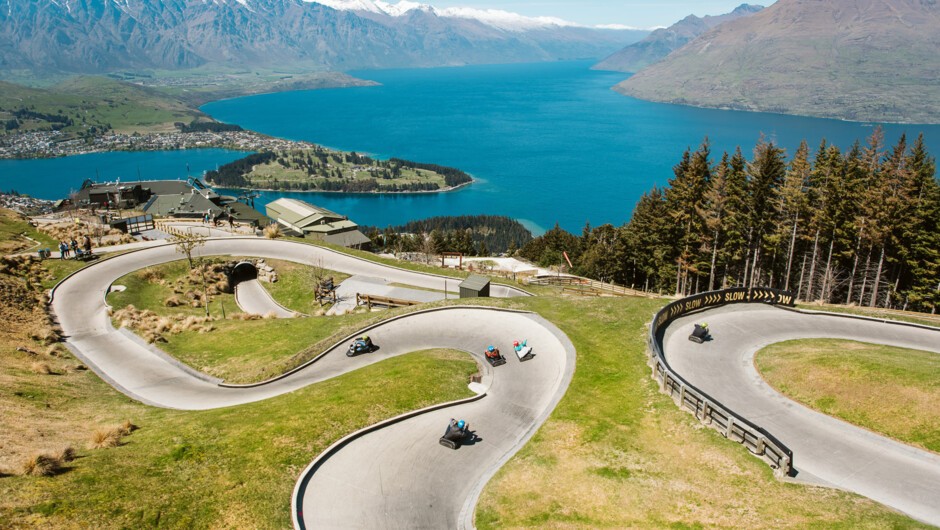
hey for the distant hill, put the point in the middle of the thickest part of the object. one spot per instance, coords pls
(83, 106)
(864, 60)
(96, 36)
(662, 42)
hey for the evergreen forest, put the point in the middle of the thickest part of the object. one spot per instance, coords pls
(471, 235)
(860, 226)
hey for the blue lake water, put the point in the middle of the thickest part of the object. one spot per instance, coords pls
(55, 178)
(546, 142)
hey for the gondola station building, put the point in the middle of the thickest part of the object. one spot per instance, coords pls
(306, 220)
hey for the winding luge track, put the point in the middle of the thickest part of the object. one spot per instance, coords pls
(825, 450)
(397, 476)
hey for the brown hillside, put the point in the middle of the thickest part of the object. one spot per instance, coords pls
(864, 60)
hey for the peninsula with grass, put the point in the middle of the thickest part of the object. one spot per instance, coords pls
(320, 169)
(42, 117)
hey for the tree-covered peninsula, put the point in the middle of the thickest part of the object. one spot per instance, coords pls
(860, 226)
(321, 169)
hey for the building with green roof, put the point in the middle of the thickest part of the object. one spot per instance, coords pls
(308, 220)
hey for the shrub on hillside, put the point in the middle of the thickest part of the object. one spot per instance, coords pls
(42, 465)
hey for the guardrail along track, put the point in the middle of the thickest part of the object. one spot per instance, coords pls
(708, 410)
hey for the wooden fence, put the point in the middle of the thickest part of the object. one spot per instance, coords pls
(587, 283)
(369, 301)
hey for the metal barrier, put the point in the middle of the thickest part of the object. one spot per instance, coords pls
(708, 410)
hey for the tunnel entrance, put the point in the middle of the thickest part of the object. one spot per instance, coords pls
(243, 272)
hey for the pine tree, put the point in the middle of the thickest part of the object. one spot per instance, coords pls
(794, 197)
(766, 172)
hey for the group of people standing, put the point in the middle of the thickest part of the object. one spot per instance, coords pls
(71, 249)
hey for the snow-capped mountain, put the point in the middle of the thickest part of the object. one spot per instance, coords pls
(496, 18)
(106, 35)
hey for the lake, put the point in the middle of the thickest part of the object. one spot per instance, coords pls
(547, 143)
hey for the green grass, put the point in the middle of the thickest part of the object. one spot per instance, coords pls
(150, 294)
(295, 286)
(876, 312)
(615, 453)
(245, 352)
(233, 467)
(97, 102)
(618, 454)
(12, 229)
(892, 391)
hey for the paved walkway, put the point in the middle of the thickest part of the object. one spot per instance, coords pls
(825, 450)
(346, 293)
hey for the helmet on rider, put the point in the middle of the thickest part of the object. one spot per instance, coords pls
(515, 343)
(490, 348)
(461, 424)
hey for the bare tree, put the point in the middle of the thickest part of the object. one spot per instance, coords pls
(186, 243)
(427, 247)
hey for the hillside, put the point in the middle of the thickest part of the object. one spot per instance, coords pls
(863, 60)
(85, 106)
(96, 36)
(664, 41)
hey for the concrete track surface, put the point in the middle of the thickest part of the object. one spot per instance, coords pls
(254, 299)
(397, 477)
(825, 450)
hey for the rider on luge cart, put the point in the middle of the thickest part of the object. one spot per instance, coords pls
(361, 344)
(493, 356)
(455, 433)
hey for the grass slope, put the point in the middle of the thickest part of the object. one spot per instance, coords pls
(615, 453)
(618, 454)
(227, 468)
(295, 286)
(96, 102)
(849, 380)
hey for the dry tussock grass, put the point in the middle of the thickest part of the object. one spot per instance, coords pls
(44, 333)
(42, 465)
(127, 427)
(272, 231)
(68, 230)
(104, 438)
(153, 327)
(244, 316)
(150, 275)
(41, 368)
(173, 301)
(67, 454)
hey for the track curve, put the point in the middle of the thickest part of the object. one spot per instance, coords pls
(254, 299)
(519, 396)
(826, 450)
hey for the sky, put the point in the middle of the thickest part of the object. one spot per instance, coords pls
(637, 13)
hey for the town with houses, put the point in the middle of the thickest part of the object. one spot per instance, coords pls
(51, 144)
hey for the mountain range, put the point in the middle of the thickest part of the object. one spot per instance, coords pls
(96, 36)
(664, 41)
(861, 60)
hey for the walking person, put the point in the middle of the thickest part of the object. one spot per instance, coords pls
(74, 245)
(86, 244)
(63, 250)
